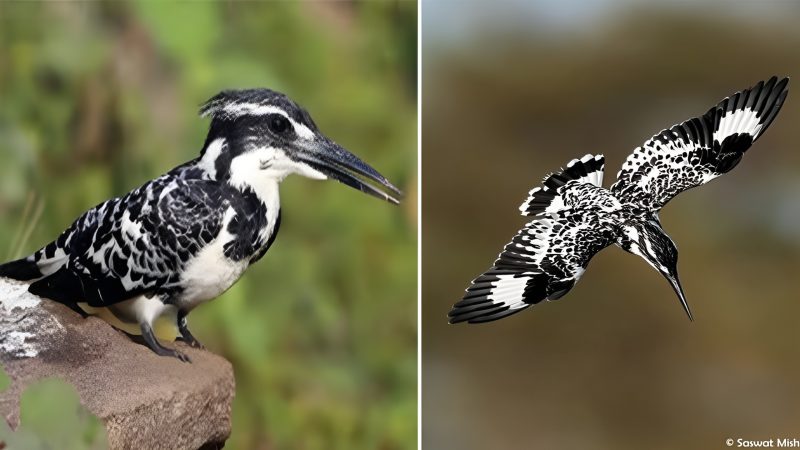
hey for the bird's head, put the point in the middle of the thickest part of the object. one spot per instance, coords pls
(648, 240)
(260, 136)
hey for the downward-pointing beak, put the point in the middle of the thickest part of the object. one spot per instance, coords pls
(339, 164)
(676, 285)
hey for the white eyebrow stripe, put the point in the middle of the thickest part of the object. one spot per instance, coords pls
(254, 109)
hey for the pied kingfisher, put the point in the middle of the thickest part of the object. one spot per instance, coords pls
(184, 238)
(575, 217)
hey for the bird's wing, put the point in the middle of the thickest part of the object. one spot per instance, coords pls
(550, 196)
(546, 257)
(135, 244)
(543, 261)
(53, 256)
(698, 150)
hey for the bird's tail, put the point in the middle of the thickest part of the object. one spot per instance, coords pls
(21, 269)
(43, 262)
(546, 199)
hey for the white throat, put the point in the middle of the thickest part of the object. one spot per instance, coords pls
(266, 166)
(247, 172)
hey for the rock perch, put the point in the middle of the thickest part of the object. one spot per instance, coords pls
(144, 400)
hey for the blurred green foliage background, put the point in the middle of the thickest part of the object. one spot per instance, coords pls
(99, 97)
(51, 416)
(517, 90)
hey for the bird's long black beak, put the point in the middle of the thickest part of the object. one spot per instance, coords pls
(337, 163)
(676, 285)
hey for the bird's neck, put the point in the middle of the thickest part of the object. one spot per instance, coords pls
(630, 239)
(259, 202)
(647, 239)
(246, 172)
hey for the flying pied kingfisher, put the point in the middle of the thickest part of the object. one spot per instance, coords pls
(575, 217)
(186, 237)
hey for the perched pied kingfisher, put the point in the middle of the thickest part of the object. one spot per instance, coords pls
(575, 217)
(186, 237)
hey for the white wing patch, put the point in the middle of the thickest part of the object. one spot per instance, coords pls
(739, 121)
(508, 291)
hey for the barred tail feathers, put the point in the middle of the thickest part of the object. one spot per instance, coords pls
(41, 263)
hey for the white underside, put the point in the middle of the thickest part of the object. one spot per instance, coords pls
(210, 272)
(128, 315)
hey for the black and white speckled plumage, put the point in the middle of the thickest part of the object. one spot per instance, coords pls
(140, 243)
(575, 217)
(187, 236)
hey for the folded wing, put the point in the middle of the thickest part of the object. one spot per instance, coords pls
(132, 245)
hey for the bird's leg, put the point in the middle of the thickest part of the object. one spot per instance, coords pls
(185, 333)
(152, 342)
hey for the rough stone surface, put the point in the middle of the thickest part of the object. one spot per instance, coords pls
(145, 400)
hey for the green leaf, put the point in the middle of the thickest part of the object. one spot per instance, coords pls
(51, 416)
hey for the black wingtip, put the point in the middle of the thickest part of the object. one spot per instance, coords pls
(483, 316)
(776, 100)
(480, 310)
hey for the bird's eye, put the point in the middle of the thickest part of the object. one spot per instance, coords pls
(278, 124)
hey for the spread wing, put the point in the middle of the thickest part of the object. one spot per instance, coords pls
(700, 149)
(132, 245)
(546, 258)
(543, 261)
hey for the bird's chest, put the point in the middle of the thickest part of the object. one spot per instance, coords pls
(244, 232)
(211, 271)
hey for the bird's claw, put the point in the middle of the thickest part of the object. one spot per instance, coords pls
(180, 355)
(191, 341)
